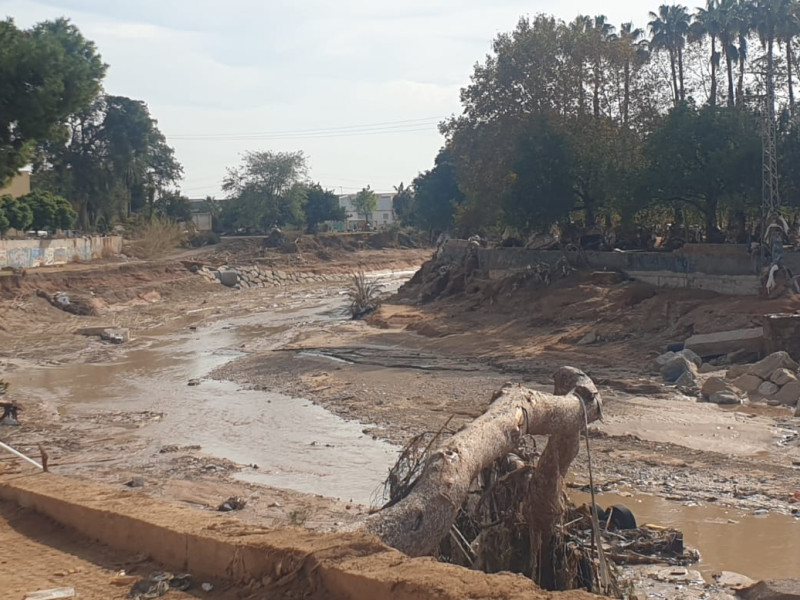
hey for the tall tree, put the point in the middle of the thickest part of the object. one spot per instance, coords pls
(46, 73)
(111, 159)
(744, 19)
(769, 16)
(265, 190)
(707, 22)
(717, 153)
(437, 195)
(321, 205)
(601, 35)
(365, 202)
(669, 28)
(403, 203)
(631, 51)
(788, 30)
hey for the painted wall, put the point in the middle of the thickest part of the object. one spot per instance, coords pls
(24, 254)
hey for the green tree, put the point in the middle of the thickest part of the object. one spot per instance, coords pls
(322, 205)
(542, 191)
(669, 28)
(50, 212)
(265, 190)
(18, 214)
(5, 223)
(716, 152)
(174, 206)
(112, 160)
(437, 195)
(403, 203)
(46, 73)
(707, 22)
(365, 202)
(631, 51)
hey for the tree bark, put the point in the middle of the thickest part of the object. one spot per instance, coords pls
(417, 524)
(713, 98)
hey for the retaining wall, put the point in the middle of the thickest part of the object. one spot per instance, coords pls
(340, 566)
(24, 254)
(721, 268)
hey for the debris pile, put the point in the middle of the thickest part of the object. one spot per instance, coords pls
(775, 379)
(259, 277)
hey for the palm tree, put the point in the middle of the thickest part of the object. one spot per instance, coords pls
(769, 16)
(728, 33)
(631, 48)
(707, 22)
(578, 30)
(743, 17)
(602, 33)
(669, 28)
(788, 29)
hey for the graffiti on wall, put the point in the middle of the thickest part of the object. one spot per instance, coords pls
(36, 253)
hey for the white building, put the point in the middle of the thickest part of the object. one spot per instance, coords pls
(382, 217)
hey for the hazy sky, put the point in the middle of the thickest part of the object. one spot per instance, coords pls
(357, 85)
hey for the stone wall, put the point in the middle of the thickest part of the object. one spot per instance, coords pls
(722, 268)
(23, 254)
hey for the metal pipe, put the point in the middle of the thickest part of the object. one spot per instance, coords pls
(20, 455)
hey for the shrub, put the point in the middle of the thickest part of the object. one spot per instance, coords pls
(156, 238)
(364, 295)
(199, 239)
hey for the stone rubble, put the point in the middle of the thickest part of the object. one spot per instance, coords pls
(245, 277)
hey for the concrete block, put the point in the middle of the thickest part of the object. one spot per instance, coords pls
(725, 342)
(789, 394)
(782, 332)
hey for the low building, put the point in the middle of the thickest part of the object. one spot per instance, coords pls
(201, 216)
(382, 217)
(18, 186)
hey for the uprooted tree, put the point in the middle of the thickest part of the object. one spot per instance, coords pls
(420, 517)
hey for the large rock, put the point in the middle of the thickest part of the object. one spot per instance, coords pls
(779, 360)
(676, 368)
(228, 277)
(797, 410)
(737, 371)
(691, 356)
(725, 342)
(688, 382)
(774, 589)
(782, 376)
(768, 389)
(789, 394)
(717, 384)
(748, 383)
(725, 397)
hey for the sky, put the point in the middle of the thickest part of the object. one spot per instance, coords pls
(359, 86)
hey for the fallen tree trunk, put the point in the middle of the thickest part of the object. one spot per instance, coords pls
(417, 524)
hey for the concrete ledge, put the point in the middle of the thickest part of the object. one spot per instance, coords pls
(347, 566)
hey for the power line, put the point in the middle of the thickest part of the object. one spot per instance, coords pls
(406, 126)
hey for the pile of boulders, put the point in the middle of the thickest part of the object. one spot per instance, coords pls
(775, 379)
(680, 369)
(241, 277)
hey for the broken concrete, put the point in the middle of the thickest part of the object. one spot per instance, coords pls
(778, 360)
(789, 394)
(775, 589)
(782, 332)
(782, 376)
(748, 383)
(715, 384)
(726, 342)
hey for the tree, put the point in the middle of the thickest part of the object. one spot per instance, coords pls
(669, 28)
(5, 223)
(46, 73)
(265, 190)
(111, 160)
(437, 194)
(50, 212)
(542, 191)
(403, 203)
(744, 19)
(174, 206)
(18, 213)
(717, 153)
(601, 36)
(631, 52)
(707, 22)
(365, 202)
(322, 205)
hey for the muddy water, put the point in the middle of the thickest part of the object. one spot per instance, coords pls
(294, 443)
(760, 547)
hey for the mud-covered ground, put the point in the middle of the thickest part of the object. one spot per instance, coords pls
(409, 368)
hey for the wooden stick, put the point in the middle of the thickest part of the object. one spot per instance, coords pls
(21, 455)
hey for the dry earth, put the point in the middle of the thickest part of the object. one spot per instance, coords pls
(409, 368)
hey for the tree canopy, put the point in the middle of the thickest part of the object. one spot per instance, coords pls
(47, 73)
(365, 202)
(266, 190)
